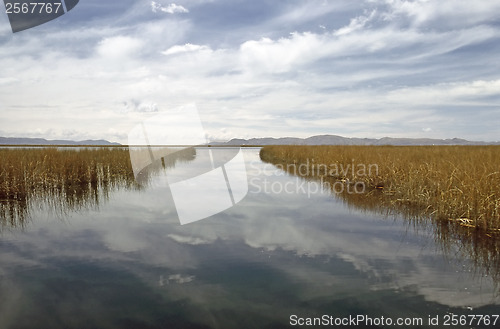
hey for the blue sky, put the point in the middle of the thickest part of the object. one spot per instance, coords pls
(260, 68)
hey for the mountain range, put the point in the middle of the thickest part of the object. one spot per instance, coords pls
(339, 140)
(314, 140)
(42, 141)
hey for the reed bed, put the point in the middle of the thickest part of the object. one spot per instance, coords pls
(453, 190)
(459, 184)
(64, 178)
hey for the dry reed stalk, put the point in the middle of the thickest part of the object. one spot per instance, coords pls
(452, 183)
(66, 177)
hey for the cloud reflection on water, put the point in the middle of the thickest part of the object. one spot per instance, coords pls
(270, 252)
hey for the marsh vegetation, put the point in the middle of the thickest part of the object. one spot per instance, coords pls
(308, 254)
(60, 178)
(71, 178)
(453, 189)
(452, 183)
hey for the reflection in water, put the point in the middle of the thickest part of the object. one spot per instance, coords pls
(482, 249)
(67, 179)
(148, 162)
(129, 264)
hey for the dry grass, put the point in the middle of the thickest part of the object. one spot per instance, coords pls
(64, 178)
(452, 183)
(456, 186)
(69, 178)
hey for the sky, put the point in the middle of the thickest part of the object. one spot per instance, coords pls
(261, 68)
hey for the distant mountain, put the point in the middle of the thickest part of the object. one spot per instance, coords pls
(314, 140)
(42, 141)
(339, 140)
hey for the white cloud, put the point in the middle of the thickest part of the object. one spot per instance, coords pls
(177, 49)
(191, 240)
(445, 13)
(8, 80)
(278, 56)
(118, 47)
(360, 78)
(180, 279)
(123, 241)
(134, 105)
(356, 24)
(170, 9)
(304, 11)
(289, 54)
(454, 93)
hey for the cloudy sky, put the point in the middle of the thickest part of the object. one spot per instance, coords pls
(257, 68)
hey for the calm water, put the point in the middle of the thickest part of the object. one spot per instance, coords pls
(126, 262)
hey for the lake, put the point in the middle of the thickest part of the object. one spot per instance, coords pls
(288, 254)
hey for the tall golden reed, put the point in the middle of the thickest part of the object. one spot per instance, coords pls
(66, 178)
(452, 183)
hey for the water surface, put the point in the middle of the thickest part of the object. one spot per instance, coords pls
(126, 262)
